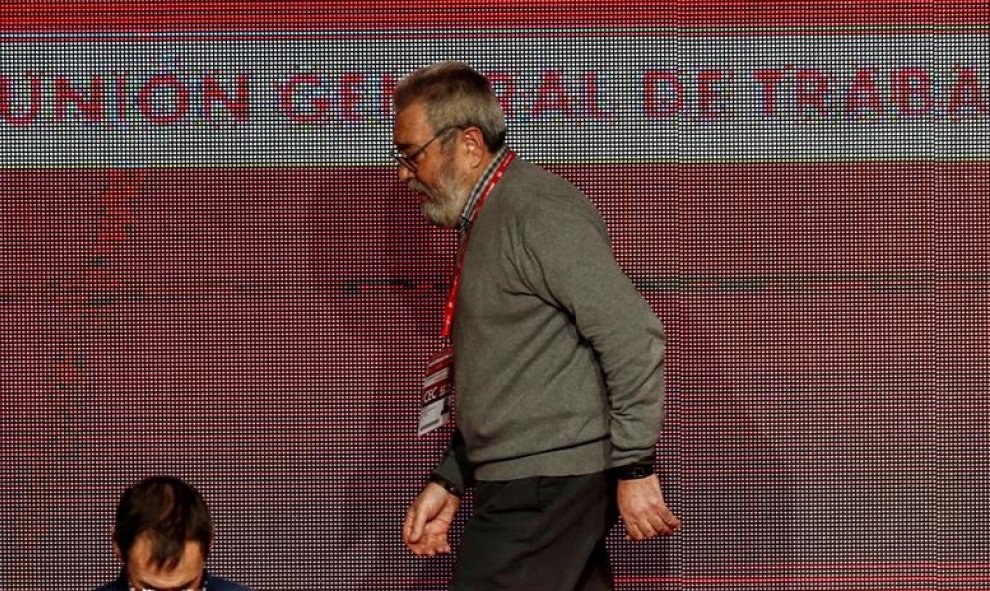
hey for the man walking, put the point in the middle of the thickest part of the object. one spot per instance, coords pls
(557, 359)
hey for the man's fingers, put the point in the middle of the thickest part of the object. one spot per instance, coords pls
(415, 522)
(672, 521)
(430, 545)
(658, 525)
(633, 531)
(649, 525)
(651, 522)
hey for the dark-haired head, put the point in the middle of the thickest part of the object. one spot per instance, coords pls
(169, 512)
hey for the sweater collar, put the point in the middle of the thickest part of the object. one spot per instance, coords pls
(468, 212)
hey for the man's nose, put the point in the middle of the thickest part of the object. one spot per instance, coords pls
(405, 175)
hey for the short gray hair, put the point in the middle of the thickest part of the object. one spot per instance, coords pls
(455, 95)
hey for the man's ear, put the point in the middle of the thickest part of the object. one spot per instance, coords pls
(475, 143)
(116, 547)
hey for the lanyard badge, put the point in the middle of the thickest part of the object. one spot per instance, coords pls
(438, 387)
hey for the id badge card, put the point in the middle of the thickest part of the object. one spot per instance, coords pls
(438, 387)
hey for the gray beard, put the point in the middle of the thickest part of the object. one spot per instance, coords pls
(443, 206)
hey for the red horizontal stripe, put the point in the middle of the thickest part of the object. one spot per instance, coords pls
(682, 581)
(841, 565)
(761, 582)
(416, 14)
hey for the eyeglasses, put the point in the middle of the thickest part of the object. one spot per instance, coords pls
(409, 160)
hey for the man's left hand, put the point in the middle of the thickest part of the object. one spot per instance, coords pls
(643, 510)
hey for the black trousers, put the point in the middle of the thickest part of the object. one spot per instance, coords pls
(542, 533)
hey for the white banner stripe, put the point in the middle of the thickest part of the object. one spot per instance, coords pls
(634, 99)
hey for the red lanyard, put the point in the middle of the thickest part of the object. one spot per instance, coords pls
(455, 284)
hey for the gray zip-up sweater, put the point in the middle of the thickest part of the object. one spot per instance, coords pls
(558, 359)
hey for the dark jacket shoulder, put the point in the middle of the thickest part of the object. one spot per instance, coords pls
(219, 584)
(213, 583)
(117, 585)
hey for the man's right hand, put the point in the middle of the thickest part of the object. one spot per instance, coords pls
(428, 520)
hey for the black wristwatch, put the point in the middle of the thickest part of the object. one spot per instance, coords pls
(633, 471)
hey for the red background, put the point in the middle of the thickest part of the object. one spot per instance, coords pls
(260, 332)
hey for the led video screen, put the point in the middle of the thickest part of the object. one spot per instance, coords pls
(209, 268)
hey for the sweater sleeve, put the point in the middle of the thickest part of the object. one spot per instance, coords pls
(567, 259)
(454, 467)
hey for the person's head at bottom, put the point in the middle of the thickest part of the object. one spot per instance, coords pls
(162, 535)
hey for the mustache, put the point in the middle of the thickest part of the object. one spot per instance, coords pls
(420, 188)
